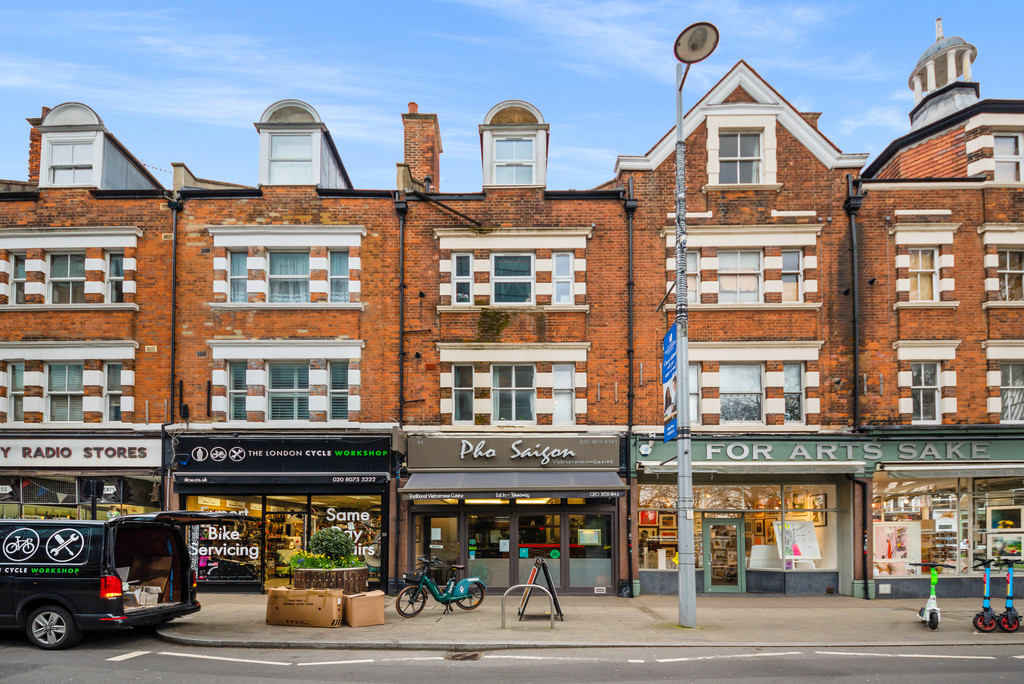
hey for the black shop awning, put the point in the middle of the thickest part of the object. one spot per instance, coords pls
(530, 484)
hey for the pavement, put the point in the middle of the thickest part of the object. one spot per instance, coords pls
(239, 621)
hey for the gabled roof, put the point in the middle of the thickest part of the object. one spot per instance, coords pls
(766, 101)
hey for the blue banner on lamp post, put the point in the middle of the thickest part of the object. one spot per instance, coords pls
(669, 384)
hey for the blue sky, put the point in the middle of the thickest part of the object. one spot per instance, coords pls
(186, 82)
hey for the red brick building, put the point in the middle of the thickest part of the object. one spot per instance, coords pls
(938, 217)
(477, 376)
(84, 362)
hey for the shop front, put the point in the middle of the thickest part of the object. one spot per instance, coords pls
(495, 504)
(784, 515)
(772, 515)
(946, 498)
(294, 487)
(79, 478)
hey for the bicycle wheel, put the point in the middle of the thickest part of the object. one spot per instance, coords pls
(933, 620)
(410, 601)
(984, 624)
(475, 598)
(1008, 623)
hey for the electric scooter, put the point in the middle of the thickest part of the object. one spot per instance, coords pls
(1009, 619)
(986, 620)
(930, 614)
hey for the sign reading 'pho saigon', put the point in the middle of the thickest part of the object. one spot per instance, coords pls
(513, 453)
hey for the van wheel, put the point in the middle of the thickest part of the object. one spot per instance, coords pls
(52, 628)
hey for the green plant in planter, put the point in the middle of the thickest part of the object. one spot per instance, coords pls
(335, 545)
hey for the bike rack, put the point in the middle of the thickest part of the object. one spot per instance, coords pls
(551, 603)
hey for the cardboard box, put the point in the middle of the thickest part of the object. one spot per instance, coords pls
(304, 607)
(151, 571)
(364, 609)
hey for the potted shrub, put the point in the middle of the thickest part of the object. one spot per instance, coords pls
(329, 562)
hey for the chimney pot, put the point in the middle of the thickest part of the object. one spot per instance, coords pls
(414, 108)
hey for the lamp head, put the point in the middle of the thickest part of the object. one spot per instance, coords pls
(696, 42)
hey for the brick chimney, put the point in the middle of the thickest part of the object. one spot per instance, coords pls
(422, 148)
(35, 140)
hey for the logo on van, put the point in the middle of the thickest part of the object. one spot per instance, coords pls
(21, 544)
(65, 545)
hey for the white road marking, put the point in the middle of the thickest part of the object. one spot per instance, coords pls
(338, 662)
(519, 657)
(398, 660)
(127, 656)
(636, 661)
(1018, 657)
(230, 660)
(722, 657)
(909, 655)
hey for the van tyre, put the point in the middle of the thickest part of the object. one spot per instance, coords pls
(52, 628)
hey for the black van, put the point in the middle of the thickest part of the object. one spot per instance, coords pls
(59, 578)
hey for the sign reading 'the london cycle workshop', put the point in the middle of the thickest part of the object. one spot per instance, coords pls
(280, 455)
(512, 453)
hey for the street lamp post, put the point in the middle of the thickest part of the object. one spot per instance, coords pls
(694, 44)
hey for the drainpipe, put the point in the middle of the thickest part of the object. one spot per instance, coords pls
(401, 208)
(852, 204)
(630, 207)
(175, 206)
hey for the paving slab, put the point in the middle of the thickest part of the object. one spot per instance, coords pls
(238, 620)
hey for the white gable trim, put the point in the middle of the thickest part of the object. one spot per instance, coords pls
(767, 102)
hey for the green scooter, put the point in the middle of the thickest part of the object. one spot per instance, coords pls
(930, 614)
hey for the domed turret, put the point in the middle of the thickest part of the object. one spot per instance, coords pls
(937, 91)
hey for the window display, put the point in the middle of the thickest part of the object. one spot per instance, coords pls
(785, 527)
(945, 520)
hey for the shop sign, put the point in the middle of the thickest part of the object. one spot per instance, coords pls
(516, 494)
(519, 453)
(282, 455)
(898, 451)
(76, 452)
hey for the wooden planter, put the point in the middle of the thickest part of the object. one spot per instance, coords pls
(349, 580)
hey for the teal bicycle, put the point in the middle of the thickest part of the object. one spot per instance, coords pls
(467, 594)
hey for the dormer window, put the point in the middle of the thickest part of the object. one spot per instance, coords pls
(513, 161)
(291, 159)
(71, 163)
(296, 148)
(75, 151)
(513, 139)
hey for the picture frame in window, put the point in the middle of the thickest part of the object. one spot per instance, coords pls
(759, 527)
(648, 517)
(1005, 545)
(769, 528)
(1004, 518)
(667, 520)
(818, 502)
(820, 518)
(796, 501)
(669, 535)
(648, 533)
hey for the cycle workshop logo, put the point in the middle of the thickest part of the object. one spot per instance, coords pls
(21, 544)
(66, 546)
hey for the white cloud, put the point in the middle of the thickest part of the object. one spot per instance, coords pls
(888, 118)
